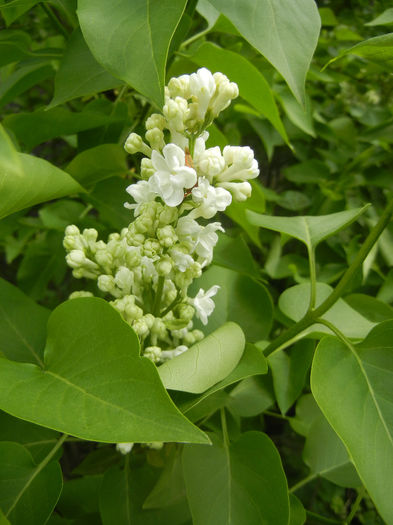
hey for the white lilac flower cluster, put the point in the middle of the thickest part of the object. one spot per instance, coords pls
(147, 268)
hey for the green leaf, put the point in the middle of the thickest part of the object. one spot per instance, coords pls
(79, 73)
(23, 79)
(80, 497)
(311, 230)
(123, 492)
(14, 46)
(98, 163)
(239, 299)
(252, 84)
(283, 31)
(384, 19)
(307, 411)
(296, 511)
(38, 440)
(205, 363)
(108, 197)
(378, 50)
(326, 455)
(240, 483)
(13, 9)
(352, 386)
(26, 180)
(43, 262)
(369, 307)
(251, 397)
(131, 40)
(39, 126)
(28, 492)
(299, 115)
(243, 263)
(22, 325)
(93, 369)
(289, 372)
(252, 363)
(237, 211)
(295, 300)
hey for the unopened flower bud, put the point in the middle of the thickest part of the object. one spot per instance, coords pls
(135, 144)
(155, 121)
(124, 448)
(80, 293)
(153, 353)
(106, 283)
(156, 138)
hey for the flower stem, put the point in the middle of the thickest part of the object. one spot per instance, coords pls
(355, 506)
(312, 315)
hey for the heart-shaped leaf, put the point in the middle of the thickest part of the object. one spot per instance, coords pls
(205, 363)
(131, 39)
(311, 230)
(353, 388)
(94, 385)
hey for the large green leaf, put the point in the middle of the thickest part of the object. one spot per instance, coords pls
(205, 363)
(79, 73)
(93, 369)
(284, 31)
(311, 230)
(244, 262)
(295, 300)
(28, 492)
(252, 84)
(242, 483)
(378, 49)
(131, 39)
(353, 387)
(22, 325)
(26, 180)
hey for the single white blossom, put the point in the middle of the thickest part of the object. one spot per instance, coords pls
(172, 176)
(203, 303)
(206, 241)
(182, 261)
(141, 192)
(124, 448)
(210, 199)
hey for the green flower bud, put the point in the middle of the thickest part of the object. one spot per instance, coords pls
(153, 353)
(106, 283)
(167, 236)
(80, 293)
(140, 327)
(184, 311)
(151, 248)
(164, 266)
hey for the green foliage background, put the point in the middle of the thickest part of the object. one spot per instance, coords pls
(300, 430)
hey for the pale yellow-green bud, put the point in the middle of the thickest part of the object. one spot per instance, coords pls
(185, 311)
(80, 293)
(72, 230)
(151, 248)
(198, 335)
(167, 236)
(134, 144)
(153, 353)
(106, 283)
(140, 327)
(133, 256)
(155, 121)
(147, 169)
(159, 328)
(104, 258)
(156, 138)
(164, 267)
(168, 215)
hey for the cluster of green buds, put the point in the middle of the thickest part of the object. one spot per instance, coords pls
(146, 269)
